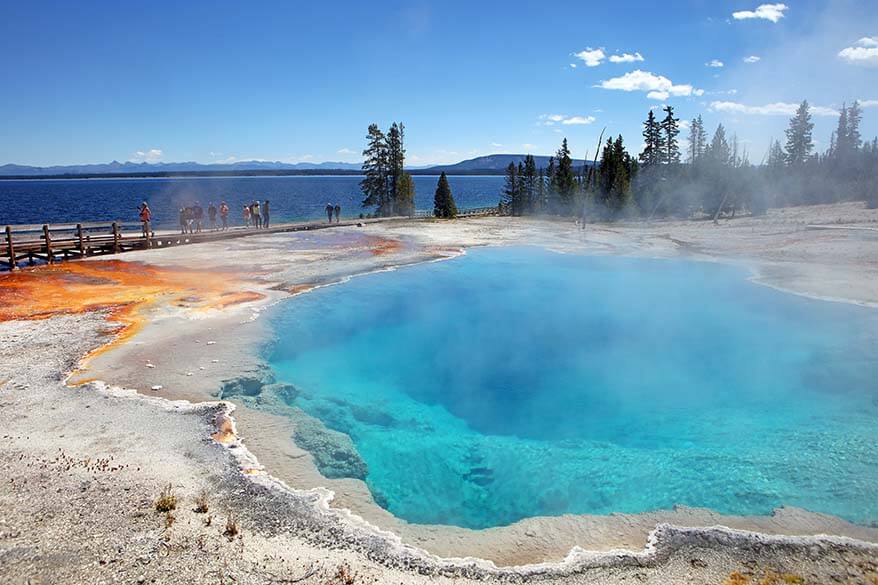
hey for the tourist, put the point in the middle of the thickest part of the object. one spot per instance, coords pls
(197, 216)
(182, 220)
(246, 216)
(224, 214)
(337, 212)
(265, 214)
(211, 215)
(257, 216)
(145, 218)
(329, 211)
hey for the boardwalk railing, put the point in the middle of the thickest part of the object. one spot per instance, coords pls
(49, 243)
(472, 212)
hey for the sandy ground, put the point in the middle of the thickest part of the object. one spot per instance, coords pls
(82, 466)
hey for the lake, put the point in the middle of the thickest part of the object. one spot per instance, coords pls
(292, 198)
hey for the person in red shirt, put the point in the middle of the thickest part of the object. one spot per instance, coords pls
(145, 219)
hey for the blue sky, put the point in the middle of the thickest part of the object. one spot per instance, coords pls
(222, 81)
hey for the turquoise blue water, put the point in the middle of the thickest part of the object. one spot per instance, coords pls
(518, 382)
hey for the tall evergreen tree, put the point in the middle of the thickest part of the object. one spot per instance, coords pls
(405, 195)
(652, 140)
(540, 204)
(799, 139)
(376, 169)
(697, 139)
(564, 178)
(529, 184)
(511, 190)
(855, 116)
(551, 203)
(395, 163)
(443, 201)
(670, 130)
(776, 157)
(720, 152)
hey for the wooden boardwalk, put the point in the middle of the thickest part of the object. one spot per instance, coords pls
(51, 243)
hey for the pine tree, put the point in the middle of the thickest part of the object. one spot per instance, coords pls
(395, 164)
(376, 170)
(697, 140)
(855, 116)
(799, 140)
(443, 201)
(550, 195)
(405, 195)
(564, 178)
(652, 139)
(670, 130)
(839, 144)
(510, 195)
(719, 152)
(529, 184)
(776, 157)
(541, 191)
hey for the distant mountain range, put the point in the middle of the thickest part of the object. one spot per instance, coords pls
(128, 168)
(492, 164)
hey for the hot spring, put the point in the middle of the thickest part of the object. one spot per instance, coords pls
(517, 382)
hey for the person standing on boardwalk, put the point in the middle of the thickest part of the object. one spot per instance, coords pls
(145, 219)
(198, 216)
(265, 214)
(224, 214)
(337, 211)
(211, 215)
(329, 210)
(257, 216)
(246, 216)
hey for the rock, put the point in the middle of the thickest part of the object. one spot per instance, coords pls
(333, 452)
(698, 563)
(211, 343)
(149, 365)
(156, 388)
(244, 386)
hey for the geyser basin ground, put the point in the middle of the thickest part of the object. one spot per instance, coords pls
(517, 382)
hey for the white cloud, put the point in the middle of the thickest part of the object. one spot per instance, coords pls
(552, 119)
(626, 58)
(496, 145)
(715, 63)
(752, 59)
(656, 85)
(150, 156)
(684, 124)
(775, 109)
(573, 65)
(345, 151)
(528, 146)
(591, 57)
(698, 92)
(869, 104)
(772, 12)
(578, 120)
(864, 52)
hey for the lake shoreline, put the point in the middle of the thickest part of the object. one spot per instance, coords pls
(531, 540)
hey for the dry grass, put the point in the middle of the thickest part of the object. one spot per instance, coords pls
(166, 501)
(232, 529)
(201, 503)
(169, 519)
(343, 576)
